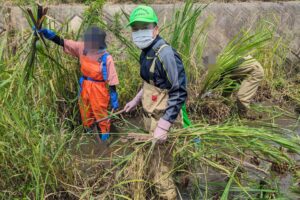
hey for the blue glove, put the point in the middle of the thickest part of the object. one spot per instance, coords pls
(104, 136)
(114, 99)
(46, 33)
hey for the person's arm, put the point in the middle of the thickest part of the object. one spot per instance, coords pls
(58, 40)
(114, 102)
(112, 76)
(70, 47)
(51, 35)
(177, 78)
(177, 93)
(113, 81)
(134, 102)
(73, 48)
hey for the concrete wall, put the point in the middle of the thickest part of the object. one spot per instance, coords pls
(228, 19)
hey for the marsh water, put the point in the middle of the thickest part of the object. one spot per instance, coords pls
(90, 149)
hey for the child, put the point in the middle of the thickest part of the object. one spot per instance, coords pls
(98, 72)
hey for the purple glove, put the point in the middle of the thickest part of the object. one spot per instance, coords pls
(161, 131)
(134, 102)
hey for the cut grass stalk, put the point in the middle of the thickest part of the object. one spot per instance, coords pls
(37, 22)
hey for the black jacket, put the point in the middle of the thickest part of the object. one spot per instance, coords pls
(169, 74)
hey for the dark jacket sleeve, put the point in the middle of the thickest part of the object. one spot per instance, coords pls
(58, 40)
(174, 69)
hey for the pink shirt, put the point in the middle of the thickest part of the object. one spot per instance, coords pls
(75, 48)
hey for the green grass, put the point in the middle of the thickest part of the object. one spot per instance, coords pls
(42, 141)
(245, 43)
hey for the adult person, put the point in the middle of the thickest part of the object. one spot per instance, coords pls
(163, 94)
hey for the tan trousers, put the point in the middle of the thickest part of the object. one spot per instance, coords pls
(159, 165)
(155, 171)
(160, 173)
(158, 169)
(251, 74)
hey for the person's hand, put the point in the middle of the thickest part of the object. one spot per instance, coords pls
(47, 33)
(130, 105)
(161, 131)
(134, 102)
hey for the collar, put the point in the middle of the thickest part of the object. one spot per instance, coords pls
(152, 44)
(100, 52)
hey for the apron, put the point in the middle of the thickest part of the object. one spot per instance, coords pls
(155, 101)
(94, 95)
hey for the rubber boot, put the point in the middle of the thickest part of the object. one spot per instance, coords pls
(244, 112)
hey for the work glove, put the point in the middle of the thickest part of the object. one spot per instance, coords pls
(134, 102)
(48, 34)
(114, 99)
(161, 130)
(104, 136)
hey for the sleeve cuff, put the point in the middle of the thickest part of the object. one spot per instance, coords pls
(164, 124)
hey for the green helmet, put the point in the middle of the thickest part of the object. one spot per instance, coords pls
(143, 14)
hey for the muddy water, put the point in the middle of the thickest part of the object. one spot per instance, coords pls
(286, 180)
(91, 149)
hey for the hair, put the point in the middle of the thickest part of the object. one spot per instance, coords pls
(97, 35)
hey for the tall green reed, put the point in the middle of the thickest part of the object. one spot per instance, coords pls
(188, 37)
(36, 120)
(247, 42)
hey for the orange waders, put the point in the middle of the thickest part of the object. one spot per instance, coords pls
(94, 94)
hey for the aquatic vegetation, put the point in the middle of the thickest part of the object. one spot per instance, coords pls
(45, 154)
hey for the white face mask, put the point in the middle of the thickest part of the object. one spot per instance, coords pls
(143, 38)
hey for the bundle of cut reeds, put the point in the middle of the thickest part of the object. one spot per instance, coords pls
(35, 20)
